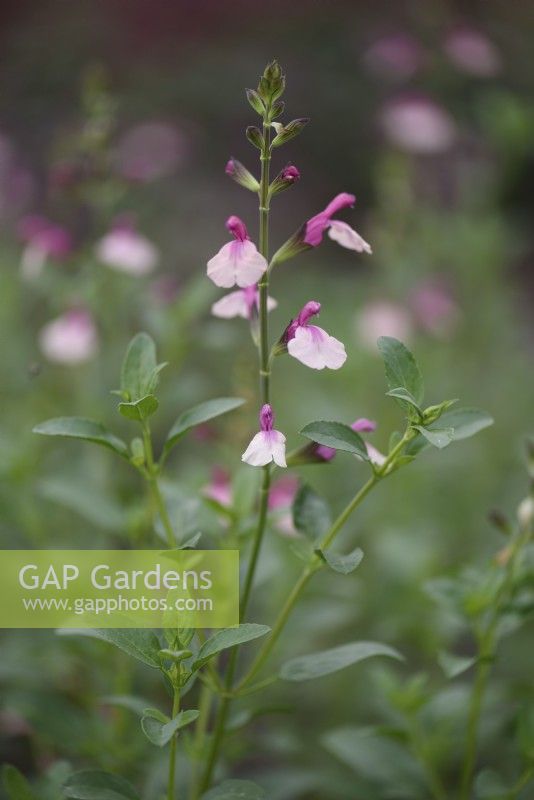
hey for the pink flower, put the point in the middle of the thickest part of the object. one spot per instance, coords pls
(472, 52)
(126, 250)
(45, 240)
(316, 226)
(220, 488)
(362, 425)
(237, 262)
(418, 125)
(241, 303)
(382, 318)
(70, 339)
(267, 445)
(150, 150)
(281, 499)
(397, 56)
(435, 308)
(290, 173)
(312, 345)
(344, 235)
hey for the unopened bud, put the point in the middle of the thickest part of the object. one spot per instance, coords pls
(285, 178)
(254, 136)
(240, 174)
(256, 102)
(287, 132)
(272, 83)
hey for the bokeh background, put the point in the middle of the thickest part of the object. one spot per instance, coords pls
(122, 115)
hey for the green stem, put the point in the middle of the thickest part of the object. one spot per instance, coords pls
(152, 477)
(172, 748)
(265, 375)
(201, 728)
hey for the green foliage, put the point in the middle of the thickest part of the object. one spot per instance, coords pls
(228, 637)
(336, 435)
(159, 729)
(91, 784)
(316, 665)
(199, 414)
(140, 370)
(311, 513)
(402, 371)
(15, 784)
(141, 409)
(235, 790)
(140, 643)
(80, 428)
(344, 564)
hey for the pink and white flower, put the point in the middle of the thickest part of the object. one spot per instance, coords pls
(241, 303)
(383, 318)
(311, 345)
(416, 124)
(70, 339)
(471, 51)
(347, 237)
(267, 445)
(316, 226)
(44, 240)
(220, 487)
(126, 250)
(281, 499)
(237, 262)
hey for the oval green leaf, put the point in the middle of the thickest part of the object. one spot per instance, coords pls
(229, 637)
(159, 729)
(199, 414)
(140, 643)
(89, 784)
(336, 435)
(311, 513)
(235, 790)
(401, 368)
(315, 665)
(80, 428)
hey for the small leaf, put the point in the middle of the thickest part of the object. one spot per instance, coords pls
(139, 410)
(401, 367)
(311, 513)
(228, 637)
(135, 704)
(159, 729)
(343, 564)
(400, 393)
(89, 784)
(140, 370)
(465, 422)
(315, 665)
(15, 784)
(437, 437)
(453, 665)
(336, 435)
(235, 790)
(199, 414)
(140, 643)
(80, 428)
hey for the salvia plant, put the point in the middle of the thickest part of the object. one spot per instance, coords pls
(205, 672)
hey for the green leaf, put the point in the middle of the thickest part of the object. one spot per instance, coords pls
(315, 665)
(525, 732)
(140, 410)
(401, 368)
(437, 437)
(311, 513)
(453, 665)
(489, 786)
(336, 435)
(400, 393)
(199, 414)
(229, 637)
(137, 705)
(140, 370)
(80, 428)
(343, 564)
(235, 790)
(15, 784)
(465, 422)
(89, 784)
(159, 729)
(140, 643)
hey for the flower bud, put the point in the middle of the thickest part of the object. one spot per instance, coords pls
(525, 513)
(240, 174)
(138, 452)
(285, 178)
(256, 102)
(254, 136)
(277, 109)
(272, 83)
(287, 132)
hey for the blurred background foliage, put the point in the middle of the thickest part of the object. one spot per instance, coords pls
(128, 111)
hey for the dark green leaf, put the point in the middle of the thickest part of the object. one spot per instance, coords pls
(336, 435)
(140, 370)
(199, 414)
(139, 410)
(140, 643)
(235, 790)
(80, 428)
(465, 422)
(92, 784)
(400, 393)
(489, 786)
(159, 729)
(401, 368)
(311, 513)
(229, 637)
(453, 665)
(315, 665)
(15, 784)
(437, 437)
(343, 564)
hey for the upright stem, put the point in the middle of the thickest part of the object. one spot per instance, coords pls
(152, 477)
(172, 749)
(265, 375)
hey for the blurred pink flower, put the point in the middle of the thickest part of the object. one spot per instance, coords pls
(150, 151)
(242, 303)
(220, 487)
(69, 339)
(164, 289)
(44, 240)
(471, 51)
(434, 308)
(382, 318)
(417, 124)
(397, 56)
(281, 499)
(126, 250)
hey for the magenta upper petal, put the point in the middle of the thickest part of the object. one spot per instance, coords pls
(315, 226)
(237, 228)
